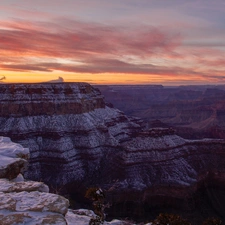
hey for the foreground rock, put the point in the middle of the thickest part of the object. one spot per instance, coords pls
(25, 202)
(83, 216)
(28, 202)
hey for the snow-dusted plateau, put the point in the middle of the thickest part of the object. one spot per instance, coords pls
(77, 141)
(26, 202)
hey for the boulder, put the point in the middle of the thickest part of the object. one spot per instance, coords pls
(12, 158)
(33, 201)
(7, 186)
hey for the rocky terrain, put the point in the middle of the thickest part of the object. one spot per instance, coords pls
(77, 141)
(26, 202)
(194, 111)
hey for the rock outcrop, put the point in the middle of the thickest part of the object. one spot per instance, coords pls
(25, 202)
(77, 141)
(83, 216)
(13, 158)
(29, 202)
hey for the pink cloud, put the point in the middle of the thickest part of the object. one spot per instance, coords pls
(219, 63)
(45, 39)
(98, 48)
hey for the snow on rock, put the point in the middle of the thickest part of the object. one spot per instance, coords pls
(19, 178)
(12, 158)
(31, 218)
(7, 186)
(25, 202)
(76, 139)
(34, 201)
(83, 216)
(11, 149)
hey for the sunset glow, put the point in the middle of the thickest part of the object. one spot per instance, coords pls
(113, 42)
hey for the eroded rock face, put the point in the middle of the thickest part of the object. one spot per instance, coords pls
(71, 134)
(25, 202)
(34, 218)
(195, 111)
(7, 186)
(33, 201)
(19, 100)
(12, 158)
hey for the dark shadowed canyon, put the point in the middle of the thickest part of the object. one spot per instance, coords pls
(193, 111)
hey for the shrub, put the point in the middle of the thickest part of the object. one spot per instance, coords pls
(98, 197)
(169, 219)
(212, 221)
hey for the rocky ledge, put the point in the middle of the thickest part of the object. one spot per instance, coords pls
(25, 202)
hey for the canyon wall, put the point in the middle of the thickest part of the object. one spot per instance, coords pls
(25, 202)
(76, 141)
(194, 111)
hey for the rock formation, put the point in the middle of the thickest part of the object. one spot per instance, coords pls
(29, 202)
(67, 125)
(195, 111)
(77, 141)
(25, 202)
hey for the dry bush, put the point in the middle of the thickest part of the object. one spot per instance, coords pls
(169, 219)
(212, 221)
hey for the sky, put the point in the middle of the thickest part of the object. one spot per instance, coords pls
(169, 42)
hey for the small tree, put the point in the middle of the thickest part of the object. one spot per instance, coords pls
(169, 219)
(98, 198)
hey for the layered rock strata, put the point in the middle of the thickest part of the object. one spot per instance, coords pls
(195, 111)
(77, 141)
(67, 125)
(29, 202)
(25, 202)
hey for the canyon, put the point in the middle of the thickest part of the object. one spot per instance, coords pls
(77, 140)
(26, 202)
(194, 111)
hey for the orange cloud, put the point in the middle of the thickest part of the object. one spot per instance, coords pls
(83, 41)
(68, 46)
